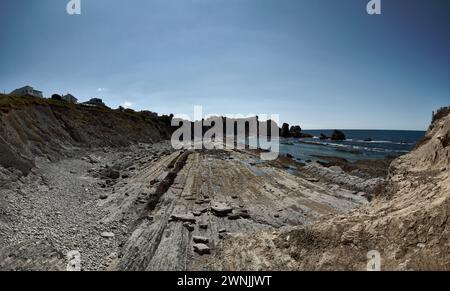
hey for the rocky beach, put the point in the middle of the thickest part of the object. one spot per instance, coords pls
(126, 201)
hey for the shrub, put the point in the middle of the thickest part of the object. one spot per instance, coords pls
(56, 97)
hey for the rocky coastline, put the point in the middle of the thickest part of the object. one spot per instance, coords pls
(132, 202)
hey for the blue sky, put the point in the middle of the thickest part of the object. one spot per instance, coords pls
(317, 63)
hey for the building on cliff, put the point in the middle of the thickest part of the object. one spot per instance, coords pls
(69, 98)
(95, 102)
(27, 91)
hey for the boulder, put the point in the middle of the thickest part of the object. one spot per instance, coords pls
(200, 239)
(221, 209)
(201, 249)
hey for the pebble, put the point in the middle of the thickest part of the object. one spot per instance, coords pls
(107, 234)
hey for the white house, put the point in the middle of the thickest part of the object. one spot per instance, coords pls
(69, 98)
(27, 91)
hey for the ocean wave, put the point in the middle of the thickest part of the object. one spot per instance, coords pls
(384, 142)
(362, 148)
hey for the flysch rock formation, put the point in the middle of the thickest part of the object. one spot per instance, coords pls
(103, 184)
(407, 224)
(145, 207)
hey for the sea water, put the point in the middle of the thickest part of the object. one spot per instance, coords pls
(359, 145)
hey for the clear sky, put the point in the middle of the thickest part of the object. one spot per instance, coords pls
(317, 63)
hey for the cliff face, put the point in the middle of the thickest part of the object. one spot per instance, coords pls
(408, 225)
(31, 127)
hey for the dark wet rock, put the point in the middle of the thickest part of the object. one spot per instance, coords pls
(338, 135)
(284, 132)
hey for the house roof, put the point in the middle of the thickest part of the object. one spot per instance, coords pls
(25, 88)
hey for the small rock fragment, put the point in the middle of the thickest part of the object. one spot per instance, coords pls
(107, 234)
(200, 239)
(190, 227)
(183, 217)
(234, 216)
(201, 249)
(221, 209)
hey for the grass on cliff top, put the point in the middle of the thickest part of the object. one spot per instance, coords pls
(17, 102)
(9, 102)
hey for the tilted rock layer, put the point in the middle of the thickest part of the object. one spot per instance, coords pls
(31, 127)
(408, 225)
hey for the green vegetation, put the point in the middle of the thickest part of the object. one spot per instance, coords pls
(442, 112)
(9, 102)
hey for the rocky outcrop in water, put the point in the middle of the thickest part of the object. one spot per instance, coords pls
(338, 136)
